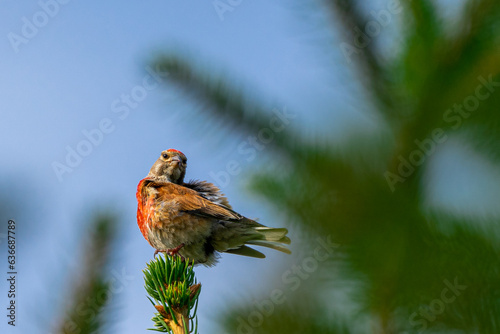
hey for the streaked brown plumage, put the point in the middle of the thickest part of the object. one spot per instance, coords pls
(194, 219)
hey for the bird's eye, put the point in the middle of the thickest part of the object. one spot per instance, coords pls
(184, 160)
(165, 155)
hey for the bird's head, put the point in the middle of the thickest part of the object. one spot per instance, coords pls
(170, 167)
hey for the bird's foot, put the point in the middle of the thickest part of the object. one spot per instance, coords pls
(174, 251)
(159, 251)
(171, 251)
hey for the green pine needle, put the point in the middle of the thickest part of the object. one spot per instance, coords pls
(168, 282)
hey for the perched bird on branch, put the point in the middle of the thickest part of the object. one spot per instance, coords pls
(194, 219)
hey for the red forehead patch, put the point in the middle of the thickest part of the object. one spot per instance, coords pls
(174, 150)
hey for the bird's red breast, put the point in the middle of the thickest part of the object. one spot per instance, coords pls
(144, 207)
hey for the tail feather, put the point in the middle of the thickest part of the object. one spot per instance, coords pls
(246, 251)
(274, 238)
(231, 237)
(270, 244)
(274, 234)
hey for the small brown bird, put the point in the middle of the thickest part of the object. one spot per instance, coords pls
(194, 219)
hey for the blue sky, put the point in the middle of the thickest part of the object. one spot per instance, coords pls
(64, 80)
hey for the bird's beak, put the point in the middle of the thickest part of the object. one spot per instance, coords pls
(176, 159)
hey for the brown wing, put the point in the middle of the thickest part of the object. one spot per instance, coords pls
(188, 200)
(208, 191)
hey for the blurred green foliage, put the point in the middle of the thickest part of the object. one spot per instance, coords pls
(87, 310)
(400, 267)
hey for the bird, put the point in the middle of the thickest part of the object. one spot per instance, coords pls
(194, 220)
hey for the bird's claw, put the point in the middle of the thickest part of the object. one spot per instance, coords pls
(171, 251)
(159, 251)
